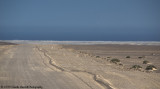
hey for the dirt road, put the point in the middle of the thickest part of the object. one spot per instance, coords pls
(29, 66)
(25, 66)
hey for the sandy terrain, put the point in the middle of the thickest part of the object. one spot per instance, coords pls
(78, 66)
(137, 53)
(82, 59)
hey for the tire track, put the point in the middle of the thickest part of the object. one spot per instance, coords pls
(97, 78)
(50, 59)
(44, 61)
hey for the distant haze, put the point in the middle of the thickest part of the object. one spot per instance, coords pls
(80, 20)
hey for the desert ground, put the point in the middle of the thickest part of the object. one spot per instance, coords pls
(107, 66)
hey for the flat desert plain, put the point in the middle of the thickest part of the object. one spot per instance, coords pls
(107, 66)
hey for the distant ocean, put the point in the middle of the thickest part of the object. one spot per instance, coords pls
(79, 34)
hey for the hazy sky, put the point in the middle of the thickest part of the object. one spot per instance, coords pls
(106, 20)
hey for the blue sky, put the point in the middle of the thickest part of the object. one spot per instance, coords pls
(105, 20)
